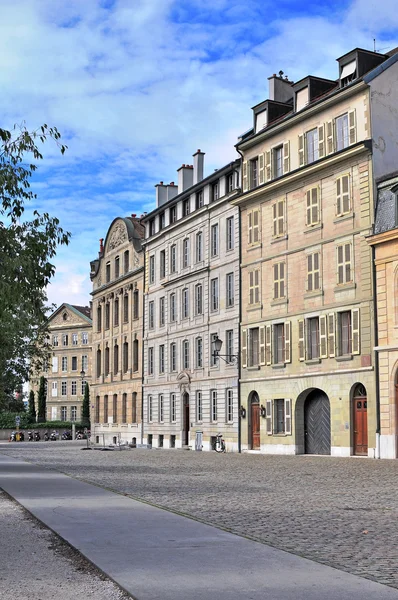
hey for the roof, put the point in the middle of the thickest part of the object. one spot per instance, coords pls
(81, 311)
(84, 310)
(386, 208)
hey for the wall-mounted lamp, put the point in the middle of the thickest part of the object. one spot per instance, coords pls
(263, 411)
(228, 358)
(242, 412)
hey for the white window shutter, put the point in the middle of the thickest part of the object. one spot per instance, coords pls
(288, 416)
(345, 193)
(330, 137)
(268, 166)
(245, 176)
(352, 127)
(286, 157)
(275, 219)
(262, 345)
(355, 325)
(250, 227)
(288, 356)
(301, 150)
(55, 364)
(261, 174)
(321, 141)
(268, 347)
(331, 335)
(339, 203)
(309, 212)
(269, 417)
(323, 340)
(244, 348)
(301, 340)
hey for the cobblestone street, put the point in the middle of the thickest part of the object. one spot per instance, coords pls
(341, 512)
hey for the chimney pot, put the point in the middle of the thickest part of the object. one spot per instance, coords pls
(133, 215)
(161, 183)
(171, 182)
(101, 244)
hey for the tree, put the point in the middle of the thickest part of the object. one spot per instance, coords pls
(41, 401)
(86, 407)
(32, 409)
(27, 246)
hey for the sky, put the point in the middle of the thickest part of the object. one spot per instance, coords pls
(136, 86)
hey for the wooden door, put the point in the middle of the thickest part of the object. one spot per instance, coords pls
(317, 423)
(360, 425)
(186, 421)
(255, 425)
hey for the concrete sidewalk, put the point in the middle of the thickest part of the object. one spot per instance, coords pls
(155, 554)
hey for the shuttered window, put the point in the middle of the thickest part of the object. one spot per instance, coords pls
(254, 286)
(278, 217)
(301, 339)
(344, 263)
(253, 226)
(279, 280)
(278, 161)
(286, 157)
(254, 335)
(343, 200)
(279, 343)
(313, 209)
(313, 272)
(312, 326)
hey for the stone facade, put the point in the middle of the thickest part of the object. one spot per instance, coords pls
(118, 277)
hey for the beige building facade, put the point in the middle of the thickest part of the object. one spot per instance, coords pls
(308, 381)
(118, 278)
(69, 365)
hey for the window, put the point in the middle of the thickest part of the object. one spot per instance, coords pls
(173, 214)
(64, 389)
(213, 405)
(152, 227)
(74, 363)
(230, 405)
(64, 363)
(98, 363)
(173, 408)
(278, 161)
(136, 300)
(124, 408)
(108, 272)
(279, 419)
(65, 339)
(279, 280)
(230, 234)
(134, 407)
(54, 389)
(253, 339)
(125, 308)
(342, 134)
(161, 358)
(229, 345)
(84, 338)
(185, 354)
(253, 226)
(173, 258)
(198, 299)
(115, 359)
(253, 173)
(85, 363)
(199, 199)
(73, 413)
(97, 409)
(173, 313)
(150, 409)
(135, 355)
(107, 315)
(106, 407)
(161, 408)
(55, 340)
(343, 200)
(74, 388)
(312, 145)
(185, 303)
(64, 413)
(313, 272)
(117, 267)
(313, 338)
(151, 315)
(83, 387)
(162, 264)
(54, 364)
(125, 357)
(278, 216)
(214, 294)
(230, 300)
(199, 353)
(344, 324)
(185, 253)
(186, 209)
(150, 361)
(254, 286)
(230, 182)
(107, 362)
(344, 267)
(114, 408)
(74, 339)
(213, 357)
(152, 269)
(126, 259)
(199, 407)
(199, 247)
(279, 343)
(214, 240)
(173, 357)
(162, 221)
(215, 191)
(162, 316)
(99, 318)
(116, 312)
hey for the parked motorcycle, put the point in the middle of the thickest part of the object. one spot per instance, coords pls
(46, 436)
(30, 436)
(53, 436)
(67, 435)
(36, 436)
(21, 436)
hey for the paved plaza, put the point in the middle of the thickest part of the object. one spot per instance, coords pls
(340, 512)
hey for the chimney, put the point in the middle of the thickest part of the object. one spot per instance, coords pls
(101, 245)
(161, 194)
(198, 166)
(185, 177)
(280, 89)
(172, 190)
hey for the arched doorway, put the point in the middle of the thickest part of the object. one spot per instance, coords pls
(360, 419)
(185, 419)
(317, 423)
(254, 421)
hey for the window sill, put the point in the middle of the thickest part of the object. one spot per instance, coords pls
(311, 228)
(278, 366)
(313, 294)
(313, 361)
(253, 247)
(279, 302)
(280, 238)
(253, 368)
(252, 307)
(344, 287)
(344, 357)
(346, 217)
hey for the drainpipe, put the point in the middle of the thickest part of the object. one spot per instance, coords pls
(142, 350)
(240, 318)
(376, 338)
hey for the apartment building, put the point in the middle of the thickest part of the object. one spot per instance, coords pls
(118, 278)
(69, 365)
(191, 300)
(308, 382)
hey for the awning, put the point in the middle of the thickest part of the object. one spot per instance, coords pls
(348, 69)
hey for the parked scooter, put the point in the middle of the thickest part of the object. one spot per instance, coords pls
(12, 436)
(21, 436)
(36, 436)
(66, 435)
(30, 436)
(46, 436)
(53, 436)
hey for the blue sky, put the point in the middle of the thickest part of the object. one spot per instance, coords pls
(136, 86)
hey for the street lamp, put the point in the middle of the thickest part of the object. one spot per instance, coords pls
(228, 358)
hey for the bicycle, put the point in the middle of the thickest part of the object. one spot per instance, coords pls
(219, 444)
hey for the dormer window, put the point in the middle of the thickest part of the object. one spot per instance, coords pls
(162, 221)
(199, 199)
(152, 227)
(173, 214)
(348, 73)
(215, 191)
(261, 120)
(302, 99)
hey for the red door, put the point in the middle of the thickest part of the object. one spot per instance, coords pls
(360, 426)
(255, 426)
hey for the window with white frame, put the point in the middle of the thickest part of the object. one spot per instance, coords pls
(312, 146)
(344, 331)
(150, 409)
(230, 233)
(313, 340)
(64, 388)
(230, 182)
(74, 339)
(199, 199)
(173, 214)
(199, 407)
(54, 389)
(65, 339)
(253, 347)
(253, 173)
(230, 299)
(185, 303)
(198, 299)
(213, 357)
(199, 246)
(253, 219)
(173, 408)
(161, 408)
(312, 211)
(64, 363)
(199, 353)
(278, 218)
(278, 416)
(348, 332)
(162, 264)
(150, 361)
(55, 340)
(342, 132)
(173, 357)
(161, 358)
(151, 314)
(254, 286)
(186, 207)
(64, 413)
(83, 387)
(152, 269)
(173, 307)
(73, 413)
(85, 363)
(185, 354)
(162, 221)
(54, 367)
(344, 263)
(185, 253)
(74, 388)
(214, 294)
(162, 311)
(313, 272)
(230, 405)
(213, 405)
(343, 199)
(215, 191)
(229, 345)
(214, 240)
(279, 343)
(277, 156)
(173, 258)
(84, 338)
(279, 280)
(74, 363)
